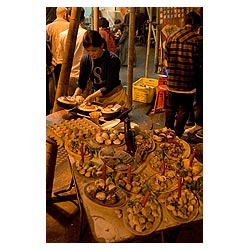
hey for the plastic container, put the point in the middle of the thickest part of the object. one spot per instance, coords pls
(144, 90)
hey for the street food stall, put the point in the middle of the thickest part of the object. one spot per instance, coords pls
(130, 180)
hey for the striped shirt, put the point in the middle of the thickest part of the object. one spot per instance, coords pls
(184, 58)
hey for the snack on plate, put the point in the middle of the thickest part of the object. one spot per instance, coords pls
(163, 134)
(175, 149)
(89, 169)
(183, 209)
(88, 107)
(144, 145)
(105, 193)
(67, 99)
(163, 183)
(129, 182)
(142, 219)
(110, 137)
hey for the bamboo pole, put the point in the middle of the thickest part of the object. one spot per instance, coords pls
(148, 42)
(96, 18)
(131, 53)
(64, 76)
(157, 39)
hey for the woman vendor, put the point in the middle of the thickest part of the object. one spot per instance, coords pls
(102, 67)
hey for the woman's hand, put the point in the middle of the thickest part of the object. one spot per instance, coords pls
(87, 100)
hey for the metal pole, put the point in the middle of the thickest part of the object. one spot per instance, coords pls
(131, 53)
(157, 39)
(64, 76)
(96, 18)
(148, 42)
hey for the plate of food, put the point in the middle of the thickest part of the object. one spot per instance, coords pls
(109, 137)
(110, 124)
(176, 149)
(129, 181)
(142, 214)
(111, 111)
(88, 107)
(90, 169)
(73, 147)
(183, 209)
(163, 183)
(105, 193)
(66, 102)
(118, 160)
(144, 145)
(163, 134)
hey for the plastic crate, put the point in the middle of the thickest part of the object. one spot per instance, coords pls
(144, 90)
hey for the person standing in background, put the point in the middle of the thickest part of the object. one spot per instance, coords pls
(107, 35)
(53, 30)
(78, 54)
(50, 14)
(184, 55)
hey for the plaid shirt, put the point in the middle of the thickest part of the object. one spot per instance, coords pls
(184, 53)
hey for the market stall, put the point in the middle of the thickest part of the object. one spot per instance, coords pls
(130, 181)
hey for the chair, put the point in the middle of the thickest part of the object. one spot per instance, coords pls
(161, 93)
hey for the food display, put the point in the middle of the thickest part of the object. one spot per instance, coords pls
(175, 149)
(157, 161)
(184, 208)
(139, 186)
(144, 145)
(90, 168)
(66, 102)
(111, 136)
(65, 130)
(105, 193)
(118, 160)
(163, 183)
(88, 107)
(111, 111)
(74, 147)
(163, 134)
(130, 182)
(192, 174)
(142, 216)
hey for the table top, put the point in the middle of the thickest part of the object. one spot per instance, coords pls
(104, 224)
(103, 221)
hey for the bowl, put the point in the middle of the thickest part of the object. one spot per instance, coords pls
(63, 102)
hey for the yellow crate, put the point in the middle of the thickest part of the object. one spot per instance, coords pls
(144, 90)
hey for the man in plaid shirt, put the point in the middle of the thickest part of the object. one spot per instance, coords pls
(184, 55)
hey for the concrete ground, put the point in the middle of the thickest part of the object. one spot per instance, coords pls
(62, 218)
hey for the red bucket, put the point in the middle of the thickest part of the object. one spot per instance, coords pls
(162, 80)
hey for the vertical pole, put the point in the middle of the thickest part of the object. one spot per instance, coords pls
(131, 53)
(64, 76)
(96, 18)
(157, 39)
(148, 42)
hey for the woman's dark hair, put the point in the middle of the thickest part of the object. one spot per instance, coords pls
(93, 38)
(104, 23)
(193, 19)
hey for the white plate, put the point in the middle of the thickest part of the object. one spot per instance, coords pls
(110, 124)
